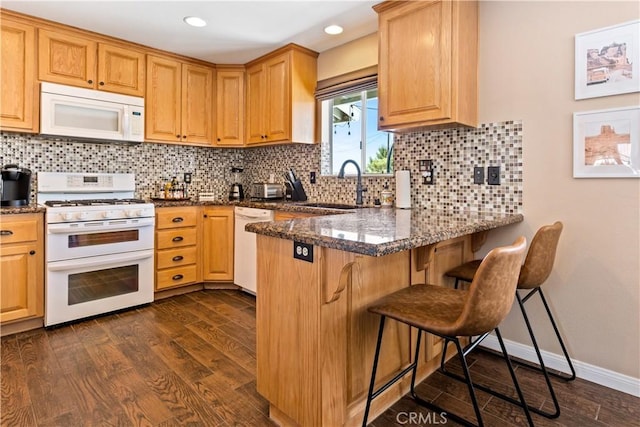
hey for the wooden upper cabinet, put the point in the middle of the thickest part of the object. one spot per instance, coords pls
(197, 104)
(428, 64)
(18, 86)
(256, 100)
(280, 97)
(229, 107)
(120, 70)
(178, 102)
(162, 100)
(68, 58)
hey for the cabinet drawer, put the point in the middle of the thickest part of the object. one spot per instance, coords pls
(166, 239)
(176, 277)
(176, 217)
(18, 231)
(176, 257)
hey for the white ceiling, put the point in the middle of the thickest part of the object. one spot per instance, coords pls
(237, 31)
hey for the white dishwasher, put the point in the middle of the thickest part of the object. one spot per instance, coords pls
(244, 252)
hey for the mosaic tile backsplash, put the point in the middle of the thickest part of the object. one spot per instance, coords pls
(454, 152)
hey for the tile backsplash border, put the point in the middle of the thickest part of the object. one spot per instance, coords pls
(454, 152)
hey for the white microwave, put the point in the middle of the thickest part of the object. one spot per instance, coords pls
(90, 114)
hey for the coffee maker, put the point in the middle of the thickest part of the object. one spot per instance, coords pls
(236, 192)
(16, 185)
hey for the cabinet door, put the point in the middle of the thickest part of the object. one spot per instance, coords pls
(67, 59)
(218, 244)
(414, 72)
(277, 113)
(197, 98)
(18, 94)
(19, 265)
(229, 108)
(120, 70)
(163, 101)
(256, 95)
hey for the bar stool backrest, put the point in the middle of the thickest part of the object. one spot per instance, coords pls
(540, 257)
(492, 290)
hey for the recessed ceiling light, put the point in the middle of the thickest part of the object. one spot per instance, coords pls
(194, 21)
(333, 29)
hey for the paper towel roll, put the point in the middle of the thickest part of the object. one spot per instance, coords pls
(403, 189)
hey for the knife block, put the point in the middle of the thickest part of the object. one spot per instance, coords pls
(296, 190)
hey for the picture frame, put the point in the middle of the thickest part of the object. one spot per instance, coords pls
(606, 143)
(607, 61)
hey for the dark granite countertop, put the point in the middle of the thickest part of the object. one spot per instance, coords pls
(31, 208)
(382, 231)
(257, 204)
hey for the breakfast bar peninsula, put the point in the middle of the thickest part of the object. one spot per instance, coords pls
(315, 338)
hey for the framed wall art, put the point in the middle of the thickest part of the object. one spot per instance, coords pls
(607, 61)
(606, 143)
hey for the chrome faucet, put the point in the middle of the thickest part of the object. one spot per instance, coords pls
(359, 189)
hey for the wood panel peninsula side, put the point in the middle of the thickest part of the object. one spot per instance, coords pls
(315, 338)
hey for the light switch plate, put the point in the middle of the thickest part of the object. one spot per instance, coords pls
(493, 175)
(478, 175)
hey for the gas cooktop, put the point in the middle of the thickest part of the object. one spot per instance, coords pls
(93, 202)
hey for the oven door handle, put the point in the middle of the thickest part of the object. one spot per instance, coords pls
(74, 264)
(96, 227)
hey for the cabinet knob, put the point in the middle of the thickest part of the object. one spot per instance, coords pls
(381, 119)
(178, 136)
(184, 136)
(178, 239)
(177, 219)
(177, 277)
(6, 233)
(101, 83)
(177, 258)
(205, 215)
(218, 139)
(32, 252)
(90, 82)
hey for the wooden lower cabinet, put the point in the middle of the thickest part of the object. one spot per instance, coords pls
(177, 247)
(316, 339)
(217, 251)
(21, 267)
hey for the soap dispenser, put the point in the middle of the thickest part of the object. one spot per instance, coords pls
(386, 196)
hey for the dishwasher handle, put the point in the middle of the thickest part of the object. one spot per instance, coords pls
(254, 218)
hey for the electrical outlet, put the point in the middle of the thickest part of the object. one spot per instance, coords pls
(493, 175)
(187, 178)
(303, 251)
(312, 177)
(478, 175)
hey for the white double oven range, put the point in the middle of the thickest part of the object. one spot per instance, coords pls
(99, 245)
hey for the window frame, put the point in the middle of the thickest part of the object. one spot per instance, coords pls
(361, 81)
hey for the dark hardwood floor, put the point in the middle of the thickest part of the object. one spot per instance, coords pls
(190, 360)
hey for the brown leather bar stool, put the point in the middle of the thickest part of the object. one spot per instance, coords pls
(533, 273)
(450, 314)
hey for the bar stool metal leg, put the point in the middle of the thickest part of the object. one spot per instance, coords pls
(557, 332)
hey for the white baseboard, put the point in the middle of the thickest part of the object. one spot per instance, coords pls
(595, 374)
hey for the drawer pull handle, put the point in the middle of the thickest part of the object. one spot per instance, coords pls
(177, 219)
(177, 277)
(6, 233)
(178, 258)
(32, 252)
(178, 239)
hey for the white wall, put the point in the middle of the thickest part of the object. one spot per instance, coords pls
(526, 73)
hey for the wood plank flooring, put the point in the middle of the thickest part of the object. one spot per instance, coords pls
(190, 360)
